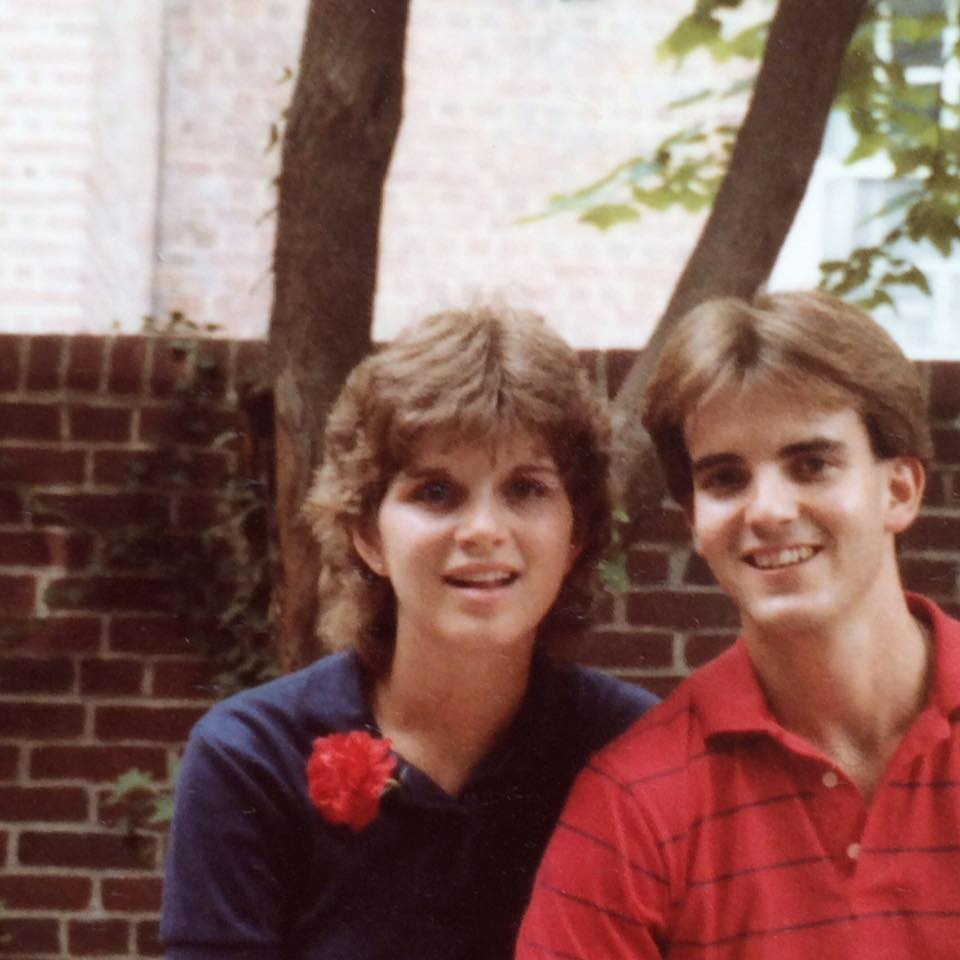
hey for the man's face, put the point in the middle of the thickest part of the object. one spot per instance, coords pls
(793, 512)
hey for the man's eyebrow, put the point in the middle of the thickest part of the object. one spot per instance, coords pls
(712, 460)
(813, 445)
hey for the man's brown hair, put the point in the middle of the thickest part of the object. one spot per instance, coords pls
(809, 344)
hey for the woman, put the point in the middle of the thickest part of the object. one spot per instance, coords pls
(394, 800)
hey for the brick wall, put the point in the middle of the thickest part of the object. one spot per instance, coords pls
(99, 672)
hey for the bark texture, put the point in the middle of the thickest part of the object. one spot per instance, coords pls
(341, 128)
(772, 160)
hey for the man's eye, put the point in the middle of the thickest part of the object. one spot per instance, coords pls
(810, 467)
(723, 481)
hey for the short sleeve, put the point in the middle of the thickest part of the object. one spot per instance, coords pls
(602, 888)
(223, 895)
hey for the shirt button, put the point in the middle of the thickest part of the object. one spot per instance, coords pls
(830, 779)
(853, 851)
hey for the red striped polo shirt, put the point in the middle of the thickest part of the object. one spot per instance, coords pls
(707, 830)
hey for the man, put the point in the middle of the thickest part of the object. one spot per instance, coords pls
(798, 797)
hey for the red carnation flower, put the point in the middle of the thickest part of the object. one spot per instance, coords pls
(347, 773)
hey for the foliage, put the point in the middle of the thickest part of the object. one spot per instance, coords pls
(912, 128)
(215, 580)
(685, 169)
(145, 803)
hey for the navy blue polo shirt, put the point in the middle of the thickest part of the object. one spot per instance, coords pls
(254, 871)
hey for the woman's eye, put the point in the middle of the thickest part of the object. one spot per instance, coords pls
(434, 493)
(527, 488)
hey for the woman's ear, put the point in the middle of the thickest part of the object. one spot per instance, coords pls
(370, 553)
(906, 480)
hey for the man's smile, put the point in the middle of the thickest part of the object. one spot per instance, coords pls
(774, 559)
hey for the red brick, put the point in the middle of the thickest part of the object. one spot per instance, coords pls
(170, 368)
(701, 648)
(99, 510)
(29, 421)
(150, 635)
(63, 634)
(198, 512)
(945, 390)
(184, 679)
(162, 724)
(127, 359)
(148, 939)
(31, 892)
(946, 442)
(40, 721)
(647, 566)
(613, 648)
(96, 764)
(670, 609)
(17, 596)
(85, 366)
(697, 573)
(932, 532)
(111, 677)
(251, 361)
(929, 576)
(212, 369)
(41, 549)
(660, 525)
(160, 469)
(95, 851)
(100, 424)
(38, 467)
(11, 507)
(9, 762)
(10, 346)
(23, 937)
(43, 363)
(131, 894)
(86, 938)
(935, 494)
(175, 425)
(43, 803)
(3, 846)
(111, 594)
(25, 675)
(661, 684)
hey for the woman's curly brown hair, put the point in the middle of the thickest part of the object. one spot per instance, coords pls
(470, 376)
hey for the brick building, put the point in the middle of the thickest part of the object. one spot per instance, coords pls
(133, 182)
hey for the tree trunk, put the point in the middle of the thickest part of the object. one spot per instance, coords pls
(341, 128)
(772, 160)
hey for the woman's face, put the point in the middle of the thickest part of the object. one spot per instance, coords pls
(476, 539)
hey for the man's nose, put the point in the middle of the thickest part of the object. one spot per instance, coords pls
(771, 499)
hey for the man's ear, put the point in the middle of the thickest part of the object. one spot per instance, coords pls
(369, 550)
(906, 480)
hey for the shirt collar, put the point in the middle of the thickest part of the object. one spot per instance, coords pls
(729, 698)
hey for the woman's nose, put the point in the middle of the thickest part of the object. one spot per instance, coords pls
(481, 522)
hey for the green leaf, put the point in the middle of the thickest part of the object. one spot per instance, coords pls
(606, 215)
(867, 146)
(696, 30)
